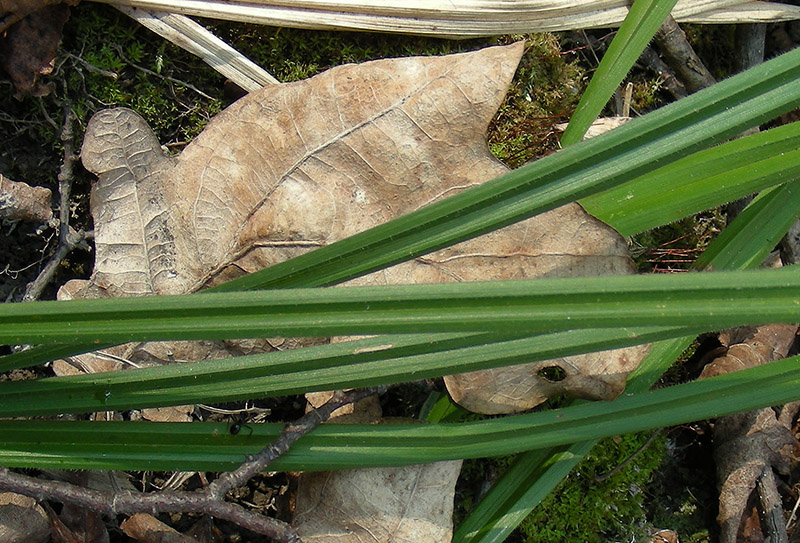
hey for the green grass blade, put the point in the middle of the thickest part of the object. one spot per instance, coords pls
(363, 363)
(747, 241)
(44, 353)
(211, 447)
(701, 181)
(705, 300)
(636, 31)
(701, 120)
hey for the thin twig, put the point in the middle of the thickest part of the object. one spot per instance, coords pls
(68, 238)
(209, 500)
(290, 435)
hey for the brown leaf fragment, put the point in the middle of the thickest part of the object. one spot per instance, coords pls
(12, 11)
(749, 446)
(148, 529)
(594, 376)
(746, 445)
(172, 413)
(412, 504)
(22, 520)
(282, 171)
(29, 47)
(19, 200)
(366, 411)
(748, 346)
(76, 524)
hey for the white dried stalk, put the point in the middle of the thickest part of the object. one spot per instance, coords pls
(458, 18)
(198, 40)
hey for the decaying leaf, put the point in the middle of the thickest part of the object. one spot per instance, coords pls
(413, 504)
(749, 446)
(19, 200)
(22, 520)
(148, 529)
(28, 48)
(299, 165)
(76, 524)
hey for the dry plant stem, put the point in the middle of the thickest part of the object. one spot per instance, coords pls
(68, 239)
(209, 500)
(681, 57)
(771, 508)
(164, 77)
(66, 173)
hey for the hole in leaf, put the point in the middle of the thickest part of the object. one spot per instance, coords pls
(553, 374)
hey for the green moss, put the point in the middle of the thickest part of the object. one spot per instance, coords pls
(114, 61)
(583, 509)
(545, 91)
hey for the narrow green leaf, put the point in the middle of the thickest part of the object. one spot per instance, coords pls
(743, 245)
(636, 31)
(755, 232)
(712, 300)
(510, 500)
(44, 353)
(700, 181)
(375, 361)
(211, 447)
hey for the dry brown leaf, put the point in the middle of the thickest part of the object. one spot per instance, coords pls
(19, 200)
(750, 346)
(366, 411)
(413, 504)
(76, 524)
(28, 48)
(172, 413)
(299, 165)
(748, 446)
(148, 529)
(22, 520)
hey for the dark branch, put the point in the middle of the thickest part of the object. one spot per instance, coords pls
(209, 500)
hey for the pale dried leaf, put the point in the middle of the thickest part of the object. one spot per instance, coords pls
(22, 520)
(599, 126)
(412, 504)
(594, 376)
(461, 17)
(286, 169)
(173, 413)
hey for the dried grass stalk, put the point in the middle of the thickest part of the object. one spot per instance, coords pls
(458, 18)
(198, 40)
